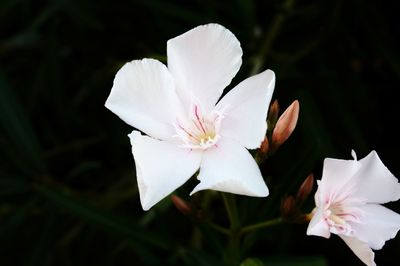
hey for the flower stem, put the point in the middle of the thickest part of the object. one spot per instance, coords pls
(218, 228)
(233, 251)
(232, 256)
(257, 226)
(230, 205)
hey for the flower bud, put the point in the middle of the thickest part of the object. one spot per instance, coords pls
(273, 113)
(285, 125)
(288, 207)
(305, 189)
(264, 146)
(181, 204)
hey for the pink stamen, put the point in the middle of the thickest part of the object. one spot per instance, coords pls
(190, 135)
(197, 125)
(347, 215)
(198, 119)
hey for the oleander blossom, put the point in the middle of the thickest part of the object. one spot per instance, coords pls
(186, 128)
(348, 204)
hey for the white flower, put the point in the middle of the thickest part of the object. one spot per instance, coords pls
(348, 204)
(187, 127)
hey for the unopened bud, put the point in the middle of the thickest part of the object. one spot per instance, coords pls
(305, 189)
(181, 204)
(264, 146)
(273, 113)
(288, 207)
(285, 125)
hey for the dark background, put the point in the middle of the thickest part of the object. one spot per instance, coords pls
(68, 193)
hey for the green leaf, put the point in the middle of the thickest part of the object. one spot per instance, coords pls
(18, 217)
(103, 218)
(18, 129)
(193, 257)
(40, 247)
(83, 168)
(13, 185)
(252, 262)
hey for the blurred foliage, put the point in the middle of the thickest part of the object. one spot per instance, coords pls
(68, 193)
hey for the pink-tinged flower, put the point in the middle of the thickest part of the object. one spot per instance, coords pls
(186, 127)
(348, 204)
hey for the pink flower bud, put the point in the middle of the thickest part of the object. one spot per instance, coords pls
(305, 189)
(181, 205)
(264, 146)
(273, 113)
(288, 208)
(285, 125)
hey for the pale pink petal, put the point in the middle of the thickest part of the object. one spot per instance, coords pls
(375, 182)
(360, 249)
(378, 225)
(245, 110)
(318, 226)
(161, 167)
(143, 95)
(229, 167)
(337, 177)
(203, 62)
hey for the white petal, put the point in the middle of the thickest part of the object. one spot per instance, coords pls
(337, 178)
(361, 249)
(318, 226)
(376, 183)
(379, 224)
(229, 167)
(161, 167)
(143, 95)
(203, 62)
(245, 109)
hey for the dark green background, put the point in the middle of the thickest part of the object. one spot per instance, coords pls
(68, 193)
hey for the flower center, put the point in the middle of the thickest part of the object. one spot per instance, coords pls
(340, 218)
(198, 131)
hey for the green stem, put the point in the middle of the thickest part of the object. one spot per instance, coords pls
(257, 226)
(219, 228)
(270, 36)
(230, 205)
(232, 256)
(233, 250)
